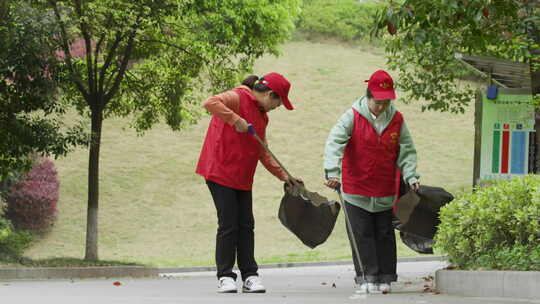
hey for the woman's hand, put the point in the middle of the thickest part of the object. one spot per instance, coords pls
(290, 181)
(332, 183)
(241, 125)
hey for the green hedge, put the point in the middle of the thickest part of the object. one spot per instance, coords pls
(346, 20)
(496, 227)
(12, 243)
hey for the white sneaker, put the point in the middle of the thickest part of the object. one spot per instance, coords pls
(385, 287)
(253, 284)
(368, 288)
(227, 285)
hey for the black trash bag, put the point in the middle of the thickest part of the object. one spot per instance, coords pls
(417, 243)
(311, 223)
(417, 216)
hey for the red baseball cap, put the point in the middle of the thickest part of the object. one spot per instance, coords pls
(381, 85)
(279, 84)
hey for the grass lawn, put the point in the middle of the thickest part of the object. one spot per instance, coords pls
(155, 210)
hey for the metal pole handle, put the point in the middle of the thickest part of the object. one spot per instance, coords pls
(349, 226)
(251, 130)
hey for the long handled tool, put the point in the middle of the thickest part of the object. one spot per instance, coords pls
(314, 197)
(351, 233)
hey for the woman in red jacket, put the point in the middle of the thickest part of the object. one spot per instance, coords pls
(228, 161)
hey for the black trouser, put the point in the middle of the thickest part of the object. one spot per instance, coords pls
(235, 234)
(376, 241)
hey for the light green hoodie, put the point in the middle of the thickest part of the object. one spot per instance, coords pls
(339, 137)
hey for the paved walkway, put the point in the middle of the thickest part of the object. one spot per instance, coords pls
(313, 285)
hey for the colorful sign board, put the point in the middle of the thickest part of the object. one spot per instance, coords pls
(507, 133)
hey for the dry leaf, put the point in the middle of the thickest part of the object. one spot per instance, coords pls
(450, 268)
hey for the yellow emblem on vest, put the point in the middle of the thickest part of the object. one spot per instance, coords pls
(394, 137)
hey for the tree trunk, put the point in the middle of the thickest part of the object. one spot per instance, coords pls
(93, 188)
(534, 35)
(536, 79)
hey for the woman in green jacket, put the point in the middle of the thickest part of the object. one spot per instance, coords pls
(365, 154)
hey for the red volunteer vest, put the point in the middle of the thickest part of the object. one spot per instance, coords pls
(369, 163)
(230, 158)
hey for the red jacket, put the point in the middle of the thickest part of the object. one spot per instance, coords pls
(228, 157)
(369, 163)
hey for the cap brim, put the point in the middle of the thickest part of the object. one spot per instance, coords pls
(379, 95)
(287, 103)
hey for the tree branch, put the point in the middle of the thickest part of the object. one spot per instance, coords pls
(88, 45)
(97, 50)
(108, 61)
(123, 65)
(65, 45)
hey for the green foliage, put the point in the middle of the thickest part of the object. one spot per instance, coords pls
(429, 33)
(496, 227)
(147, 59)
(346, 20)
(12, 243)
(29, 115)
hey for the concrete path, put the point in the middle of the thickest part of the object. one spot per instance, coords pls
(313, 285)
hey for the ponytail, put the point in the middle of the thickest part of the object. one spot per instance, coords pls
(255, 84)
(250, 81)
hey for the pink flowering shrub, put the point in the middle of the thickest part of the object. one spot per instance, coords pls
(32, 201)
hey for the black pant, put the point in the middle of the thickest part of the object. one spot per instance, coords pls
(235, 231)
(376, 241)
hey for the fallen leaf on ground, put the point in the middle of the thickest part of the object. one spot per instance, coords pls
(429, 289)
(323, 283)
(117, 283)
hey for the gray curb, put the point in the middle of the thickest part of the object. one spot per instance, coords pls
(504, 284)
(9, 274)
(22, 273)
(295, 264)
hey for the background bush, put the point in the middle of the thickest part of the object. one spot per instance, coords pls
(497, 227)
(346, 20)
(32, 201)
(12, 243)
